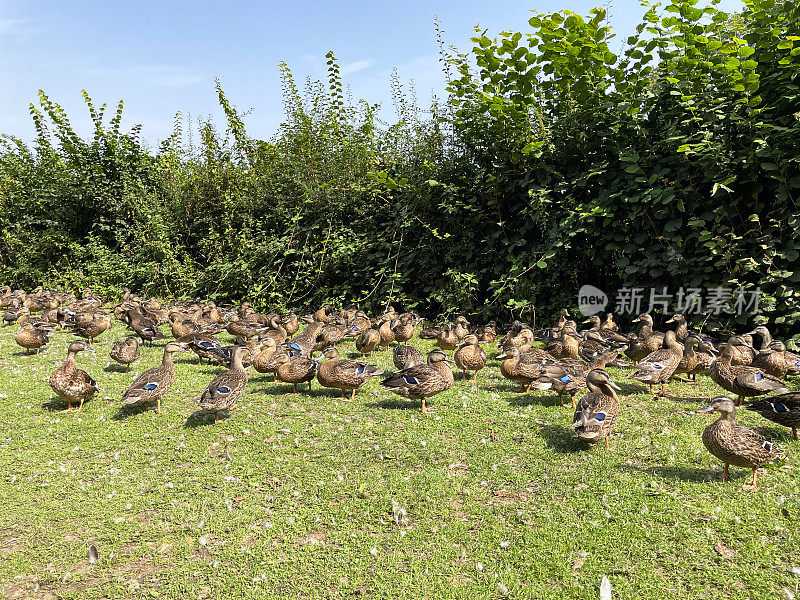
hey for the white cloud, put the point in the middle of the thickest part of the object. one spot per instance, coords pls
(355, 67)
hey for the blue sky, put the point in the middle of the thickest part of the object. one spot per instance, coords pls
(162, 57)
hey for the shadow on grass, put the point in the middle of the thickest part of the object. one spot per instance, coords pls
(560, 439)
(130, 410)
(398, 404)
(203, 418)
(287, 389)
(678, 473)
(56, 404)
(116, 368)
(530, 399)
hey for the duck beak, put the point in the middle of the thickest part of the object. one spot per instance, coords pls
(705, 409)
(636, 320)
(615, 386)
(671, 320)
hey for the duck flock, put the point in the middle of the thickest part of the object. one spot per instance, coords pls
(558, 358)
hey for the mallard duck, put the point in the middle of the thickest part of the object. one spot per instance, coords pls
(470, 356)
(743, 352)
(297, 369)
(368, 341)
(772, 360)
(125, 352)
(264, 356)
(487, 333)
(429, 332)
(15, 312)
(226, 388)
(657, 367)
(447, 340)
(735, 444)
(405, 357)
(31, 337)
(792, 359)
(95, 325)
(204, 345)
(568, 376)
(521, 367)
(323, 315)
(307, 339)
(646, 341)
(291, 324)
(461, 327)
(566, 345)
(597, 410)
(706, 355)
(154, 383)
(144, 326)
(404, 329)
(688, 362)
(745, 382)
(422, 381)
(73, 385)
(386, 332)
(342, 374)
(783, 409)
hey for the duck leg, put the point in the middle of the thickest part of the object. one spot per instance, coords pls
(725, 475)
(158, 405)
(794, 433)
(572, 396)
(353, 395)
(752, 486)
(80, 406)
(428, 409)
(739, 400)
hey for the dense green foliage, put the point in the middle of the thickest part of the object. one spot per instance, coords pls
(552, 162)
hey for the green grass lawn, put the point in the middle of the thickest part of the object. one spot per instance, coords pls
(307, 496)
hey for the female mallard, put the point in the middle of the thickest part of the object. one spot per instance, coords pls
(470, 356)
(783, 409)
(772, 360)
(154, 383)
(646, 341)
(447, 340)
(657, 367)
(368, 341)
(296, 369)
(706, 355)
(204, 345)
(344, 374)
(264, 357)
(521, 367)
(125, 352)
(568, 376)
(404, 329)
(689, 360)
(405, 357)
(791, 358)
(31, 337)
(461, 327)
(745, 382)
(226, 388)
(92, 326)
(735, 444)
(422, 381)
(566, 346)
(73, 385)
(387, 334)
(291, 324)
(597, 410)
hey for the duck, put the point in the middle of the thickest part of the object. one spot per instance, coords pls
(657, 367)
(743, 351)
(646, 341)
(263, 358)
(95, 325)
(343, 374)
(429, 332)
(745, 382)
(521, 367)
(487, 333)
(734, 444)
(706, 355)
(689, 360)
(566, 346)
(291, 324)
(227, 387)
(772, 360)
(126, 352)
(783, 409)
(154, 383)
(447, 340)
(470, 356)
(404, 357)
(204, 346)
(31, 337)
(368, 341)
(422, 381)
(568, 376)
(792, 359)
(386, 332)
(297, 369)
(71, 384)
(461, 327)
(404, 329)
(597, 410)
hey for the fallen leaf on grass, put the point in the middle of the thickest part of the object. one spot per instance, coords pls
(724, 551)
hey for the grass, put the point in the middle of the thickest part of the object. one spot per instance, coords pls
(306, 496)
